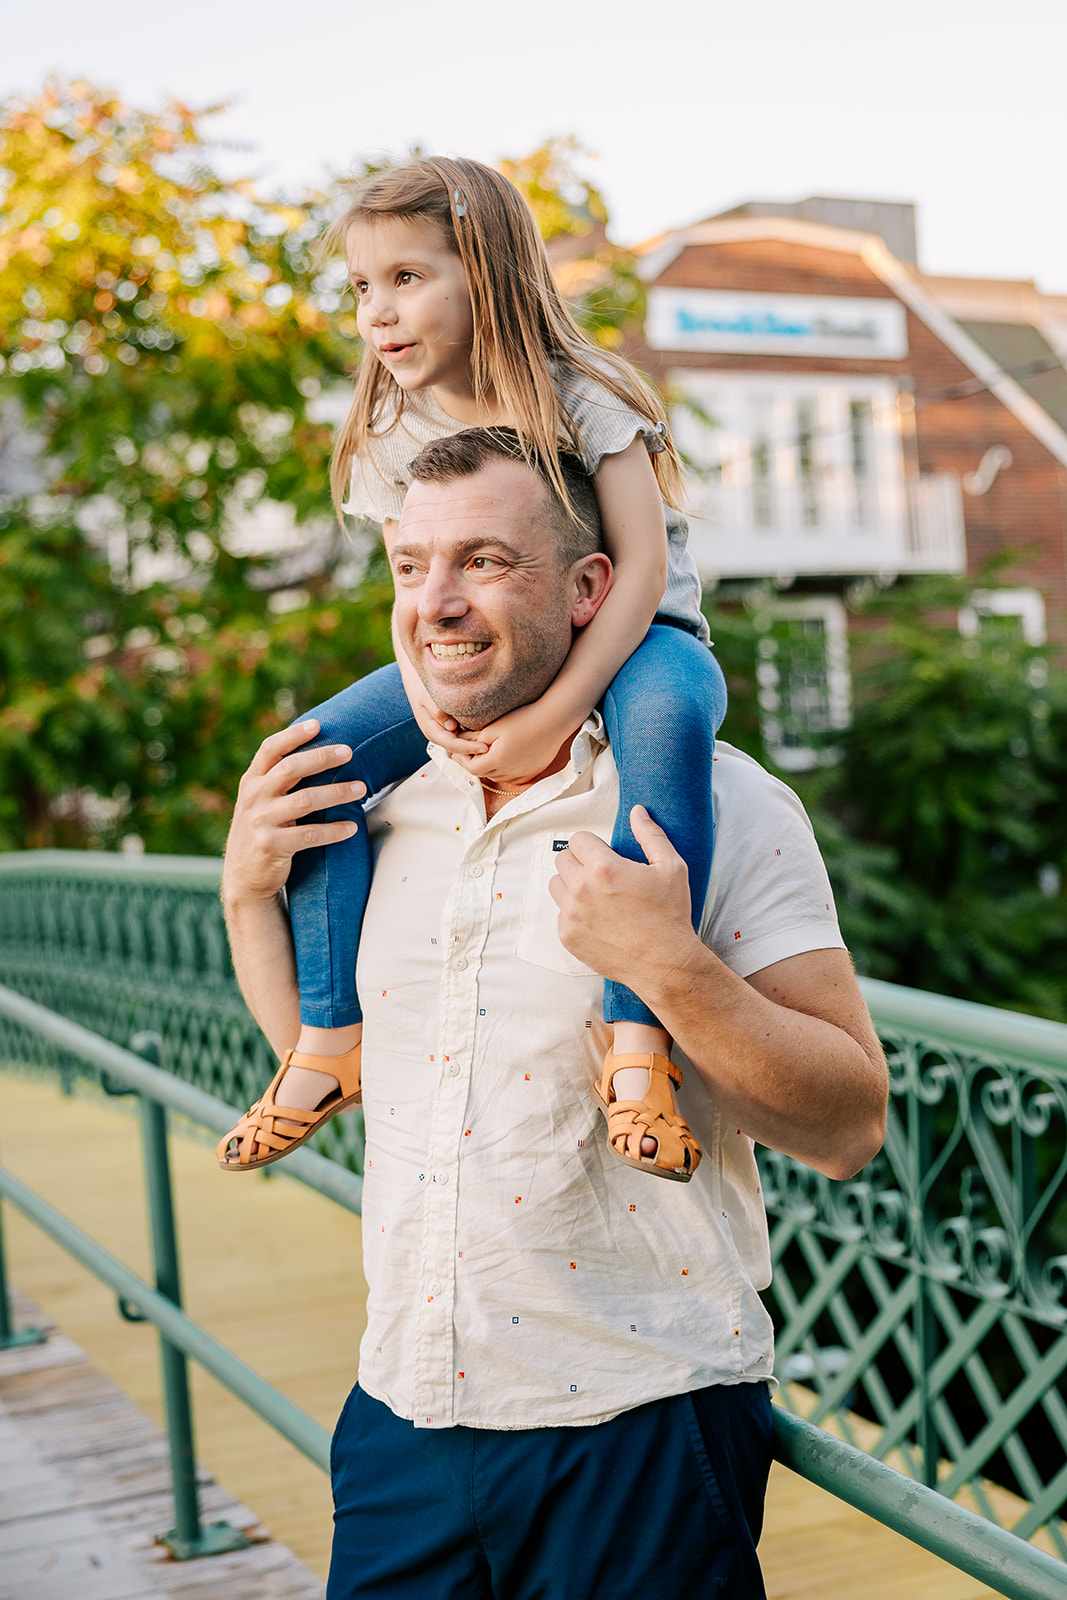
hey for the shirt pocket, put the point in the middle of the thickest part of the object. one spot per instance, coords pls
(538, 938)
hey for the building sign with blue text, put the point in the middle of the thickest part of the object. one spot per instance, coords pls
(775, 324)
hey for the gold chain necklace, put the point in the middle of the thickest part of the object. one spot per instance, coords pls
(494, 790)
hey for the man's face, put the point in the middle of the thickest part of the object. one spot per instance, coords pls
(482, 606)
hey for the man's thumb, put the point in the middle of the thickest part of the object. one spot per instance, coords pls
(651, 837)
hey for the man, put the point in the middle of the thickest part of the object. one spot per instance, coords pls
(563, 1386)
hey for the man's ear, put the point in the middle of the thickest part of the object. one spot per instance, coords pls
(590, 580)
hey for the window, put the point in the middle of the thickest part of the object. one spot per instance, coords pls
(1018, 611)
(807, 460)
(793, 473)
(814, 454)
(763, 466)
(803, 679)
(861, 431)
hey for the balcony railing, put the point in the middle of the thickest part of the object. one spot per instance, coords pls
(741, 529)
(934, 539)
(921, 1309)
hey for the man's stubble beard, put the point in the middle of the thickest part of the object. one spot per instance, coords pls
(479, 708)
(537, 664)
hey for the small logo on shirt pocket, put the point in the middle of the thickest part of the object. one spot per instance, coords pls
(538, 937)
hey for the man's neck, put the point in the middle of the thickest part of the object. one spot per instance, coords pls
(493, 797)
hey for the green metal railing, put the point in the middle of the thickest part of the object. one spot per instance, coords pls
(126, 944)
(929, 1294)
(922, 1306)
(975, 1545)
(31, 1033)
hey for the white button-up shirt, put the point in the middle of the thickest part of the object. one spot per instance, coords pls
(519, 1275)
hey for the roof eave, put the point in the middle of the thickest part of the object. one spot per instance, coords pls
(897, 277)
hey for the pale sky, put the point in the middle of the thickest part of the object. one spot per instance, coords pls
(690, 105)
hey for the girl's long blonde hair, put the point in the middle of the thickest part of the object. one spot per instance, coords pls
(521, 321)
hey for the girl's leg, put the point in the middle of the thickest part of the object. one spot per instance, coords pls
(328, 886)
(662, 713)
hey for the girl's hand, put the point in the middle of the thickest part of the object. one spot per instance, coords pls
(437, 725)
(517, 748)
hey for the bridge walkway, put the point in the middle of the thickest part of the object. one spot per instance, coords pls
(273, 1270)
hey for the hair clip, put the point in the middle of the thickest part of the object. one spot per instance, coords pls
(461, 209)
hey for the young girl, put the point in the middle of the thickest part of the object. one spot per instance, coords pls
(464, 326)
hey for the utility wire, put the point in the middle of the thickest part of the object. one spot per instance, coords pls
(960, 391)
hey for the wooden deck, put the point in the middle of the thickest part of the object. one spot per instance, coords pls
(274, 1271)
(85, 1489)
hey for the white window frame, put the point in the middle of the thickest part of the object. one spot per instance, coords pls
(1026, 604)
(767, 498)
(831, 612)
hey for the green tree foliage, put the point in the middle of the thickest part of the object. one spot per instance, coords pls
(941, 816)
(600, 280)
(164, 335)
(956, 761)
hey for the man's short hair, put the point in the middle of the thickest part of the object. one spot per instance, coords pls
(460, 455)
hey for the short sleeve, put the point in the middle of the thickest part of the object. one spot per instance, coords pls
(769, 896)
(379, 481)
(605, 425)
(370, 495)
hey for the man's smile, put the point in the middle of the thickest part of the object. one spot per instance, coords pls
(444, 652)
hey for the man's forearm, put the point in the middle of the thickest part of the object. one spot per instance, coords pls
(788, 1054)
(262, 946)
(772, 1062)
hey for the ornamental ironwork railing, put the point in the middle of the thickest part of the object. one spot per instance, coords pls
(921, 1308)
(127, 944)
(923, 1305)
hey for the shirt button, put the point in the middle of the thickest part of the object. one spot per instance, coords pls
(476, 871)
(436, 1286)
(440, 1177)
(460, 963)
(453, 1069)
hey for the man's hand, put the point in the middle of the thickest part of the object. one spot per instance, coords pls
(620, 917)
(267, 828)
(788, 1054)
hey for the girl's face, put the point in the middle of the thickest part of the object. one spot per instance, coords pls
(413, 308)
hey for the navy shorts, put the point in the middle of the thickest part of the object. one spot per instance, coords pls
(664, 1499)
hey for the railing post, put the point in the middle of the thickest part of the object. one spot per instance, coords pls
(924, 1321)
(10, 1337)
(926, 1330)
(188, 1538)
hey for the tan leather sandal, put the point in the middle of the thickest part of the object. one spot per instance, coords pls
(677, 1152)
(268, 1131)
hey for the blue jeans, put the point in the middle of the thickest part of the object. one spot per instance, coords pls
(665, 1499)
(662, 713)
(328, 886)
